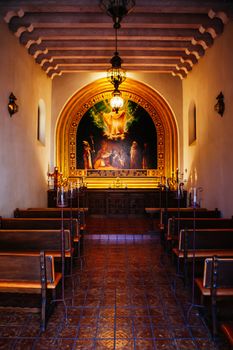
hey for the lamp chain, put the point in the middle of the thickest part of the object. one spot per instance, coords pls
(116, 39)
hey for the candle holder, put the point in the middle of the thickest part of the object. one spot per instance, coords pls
(62, 197)
(195, 197)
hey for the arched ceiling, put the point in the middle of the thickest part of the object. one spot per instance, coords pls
(158, 36)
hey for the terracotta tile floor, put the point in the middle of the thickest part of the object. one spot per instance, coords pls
(123, 300)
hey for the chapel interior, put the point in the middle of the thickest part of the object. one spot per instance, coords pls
(116, 214)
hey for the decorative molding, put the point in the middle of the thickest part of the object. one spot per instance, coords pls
(150, 100)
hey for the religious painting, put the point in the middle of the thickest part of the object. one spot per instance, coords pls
(108, 140)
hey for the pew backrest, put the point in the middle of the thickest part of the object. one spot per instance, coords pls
(78, 213)
(212, 239)
(34, 241)
(223, 270)
(187, 213)
(40, 224)
(177, 224)
(25, 268)
(29, 273)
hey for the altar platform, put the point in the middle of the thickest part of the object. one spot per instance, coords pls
(122, 201)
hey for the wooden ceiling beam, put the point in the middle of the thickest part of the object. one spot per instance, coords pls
(76, 35)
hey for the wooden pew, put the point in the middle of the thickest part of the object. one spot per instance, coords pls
(32, 241)
(200, 244)
(217, 283)
(167, 213)
(77, 213)
(177, 224)
(42, 224)
(187, 213)
(30, 273)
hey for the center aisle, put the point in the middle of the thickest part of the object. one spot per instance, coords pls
(128, 302)
(125, 301)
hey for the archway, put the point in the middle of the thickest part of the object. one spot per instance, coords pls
(150, 100)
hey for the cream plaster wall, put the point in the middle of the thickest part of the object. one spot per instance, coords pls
(24, 160)
(167, 86)
(211, 154)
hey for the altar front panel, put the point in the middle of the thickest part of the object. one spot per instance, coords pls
(123, 202)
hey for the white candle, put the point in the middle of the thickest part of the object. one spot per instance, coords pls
(62, 196)
(194, 196)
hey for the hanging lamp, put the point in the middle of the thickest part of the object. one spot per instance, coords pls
(116, 9)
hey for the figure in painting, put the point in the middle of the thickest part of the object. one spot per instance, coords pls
(87, 155)
(145, 156)
(102, 159)
(118, 159)
(115, 124)
(135, 156)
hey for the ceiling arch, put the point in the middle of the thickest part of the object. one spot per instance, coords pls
(156, 106)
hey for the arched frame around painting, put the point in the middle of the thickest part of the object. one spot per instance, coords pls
(150, 100)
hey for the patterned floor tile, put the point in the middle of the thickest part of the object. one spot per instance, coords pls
(81, 344)
(165, 344)
(145, 344)
(24, 344)
(161, 333)
(123, 300)
(104, 344)
(124, 344)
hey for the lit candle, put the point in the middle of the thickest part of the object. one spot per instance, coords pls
(62, 195)
(194, 196)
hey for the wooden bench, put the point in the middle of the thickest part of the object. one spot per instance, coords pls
(77, 213)
(177, 224)
(30, 273)
(201, 244)
(227, 330)
(42, 224)
(167, 213)
(187, 213)
(217, 283)
(31, 241)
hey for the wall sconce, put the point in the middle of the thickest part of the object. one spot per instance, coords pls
(220, 105)
(12, 106)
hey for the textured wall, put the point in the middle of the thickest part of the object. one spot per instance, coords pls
(211, 154)
(23, 159)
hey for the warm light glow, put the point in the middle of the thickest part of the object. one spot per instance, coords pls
(116, 102)
(124, 183)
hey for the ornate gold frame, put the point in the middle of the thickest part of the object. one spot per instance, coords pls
(149, 99)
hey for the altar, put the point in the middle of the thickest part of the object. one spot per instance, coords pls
(122, 201)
